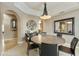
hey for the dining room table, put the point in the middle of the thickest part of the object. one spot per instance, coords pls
(48, 44)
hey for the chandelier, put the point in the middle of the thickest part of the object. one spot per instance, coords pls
(45, 13)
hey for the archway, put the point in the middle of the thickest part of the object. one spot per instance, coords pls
(10, 29)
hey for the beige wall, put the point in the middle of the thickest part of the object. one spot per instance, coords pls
(50, 24)
(0, 32)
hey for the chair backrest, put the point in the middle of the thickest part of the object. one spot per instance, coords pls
(43, 33)
(34, 34)
(26, 37)
(59, 35)
(74, 43)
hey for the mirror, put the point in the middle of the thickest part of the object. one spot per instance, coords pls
(64, 26)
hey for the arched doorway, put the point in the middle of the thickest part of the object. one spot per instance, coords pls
(10, 29)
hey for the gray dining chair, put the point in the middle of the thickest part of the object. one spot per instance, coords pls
(43, 33)
(71, 49)
(31, 45)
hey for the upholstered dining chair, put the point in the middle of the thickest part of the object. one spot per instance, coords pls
(71, 49)
(31, 45)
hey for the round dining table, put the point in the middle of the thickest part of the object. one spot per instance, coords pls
(48, 44)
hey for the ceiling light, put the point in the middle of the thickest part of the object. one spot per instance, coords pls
(45, 13)
(69, 22)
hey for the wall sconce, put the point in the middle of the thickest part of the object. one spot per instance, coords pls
(2, 28)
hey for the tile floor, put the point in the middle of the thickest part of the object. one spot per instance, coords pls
(20, 50)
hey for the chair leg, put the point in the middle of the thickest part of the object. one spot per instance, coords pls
(36, 49)
(74, 54)
(27, 52)
(71, 54)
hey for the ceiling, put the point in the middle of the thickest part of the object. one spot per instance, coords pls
(36, 8)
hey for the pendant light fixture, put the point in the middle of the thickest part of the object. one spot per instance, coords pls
(45, 13)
